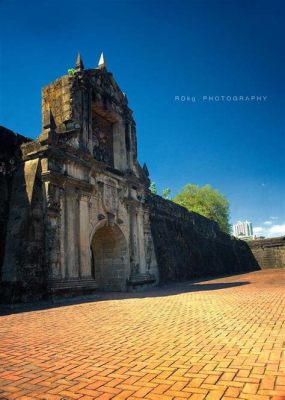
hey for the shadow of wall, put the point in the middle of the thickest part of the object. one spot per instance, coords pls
(22, 228)
(10, 156)
(188, 245)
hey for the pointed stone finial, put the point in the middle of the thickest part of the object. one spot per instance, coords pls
(126, 97)
(49, 122)
(79, 66)
(102, 62)
(145, 169)
(48, 134)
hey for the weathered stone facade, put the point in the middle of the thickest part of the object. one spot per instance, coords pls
(77, 213)
(188, 245)
(269, 253)
(83, 193)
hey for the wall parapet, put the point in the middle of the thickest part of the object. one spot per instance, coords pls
(188, 245)
(269, 253)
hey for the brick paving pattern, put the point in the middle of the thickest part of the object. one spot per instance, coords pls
(220, 339)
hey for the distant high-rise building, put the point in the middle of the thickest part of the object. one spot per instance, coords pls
(243, 229)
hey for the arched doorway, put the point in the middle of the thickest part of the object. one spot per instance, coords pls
(109, 258)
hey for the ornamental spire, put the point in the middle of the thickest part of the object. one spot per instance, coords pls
(102, 62)
(79, 66)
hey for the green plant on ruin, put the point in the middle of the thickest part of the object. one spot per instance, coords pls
(206, 201)
(153, 188)
(166, 193)
(71, 71)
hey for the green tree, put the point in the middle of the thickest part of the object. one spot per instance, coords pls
(206, 201)
(153, 188)
(166, 193)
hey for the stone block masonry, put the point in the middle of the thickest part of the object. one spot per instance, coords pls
(188, 245)
(269, 253)
(76, 211)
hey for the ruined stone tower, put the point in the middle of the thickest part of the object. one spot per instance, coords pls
(76, 213)
(85, 191)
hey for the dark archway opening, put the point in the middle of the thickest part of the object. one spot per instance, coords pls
(109, 251)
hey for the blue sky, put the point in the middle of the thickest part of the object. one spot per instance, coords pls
(158, 50)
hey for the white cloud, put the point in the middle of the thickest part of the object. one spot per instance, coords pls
(267, 223)
(277, 230)
(269, 230)
(273, 218)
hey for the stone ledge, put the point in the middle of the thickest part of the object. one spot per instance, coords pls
(141, 279)
(71, 284)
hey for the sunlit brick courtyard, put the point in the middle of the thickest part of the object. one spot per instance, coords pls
(217, 339)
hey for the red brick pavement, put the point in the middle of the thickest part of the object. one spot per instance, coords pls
(221, 339)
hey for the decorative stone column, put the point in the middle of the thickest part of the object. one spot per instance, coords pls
(53, 224)
(71, 220)
(141, 241)
(134, 249)
(63, 244)
(84, 245)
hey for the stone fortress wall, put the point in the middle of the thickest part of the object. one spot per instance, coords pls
(269, 253)
(188, 245)
(77, 213)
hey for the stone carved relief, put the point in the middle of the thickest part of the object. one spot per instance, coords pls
(123, 193)
(53, 198)
(93, 213)
(102, 137)
(72, 141)
(110, 198)
(56, 165)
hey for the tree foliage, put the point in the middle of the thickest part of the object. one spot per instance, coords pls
(153, 188)
(206, 201)
(166, 193)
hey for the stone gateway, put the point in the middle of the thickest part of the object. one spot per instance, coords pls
(76, 211)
